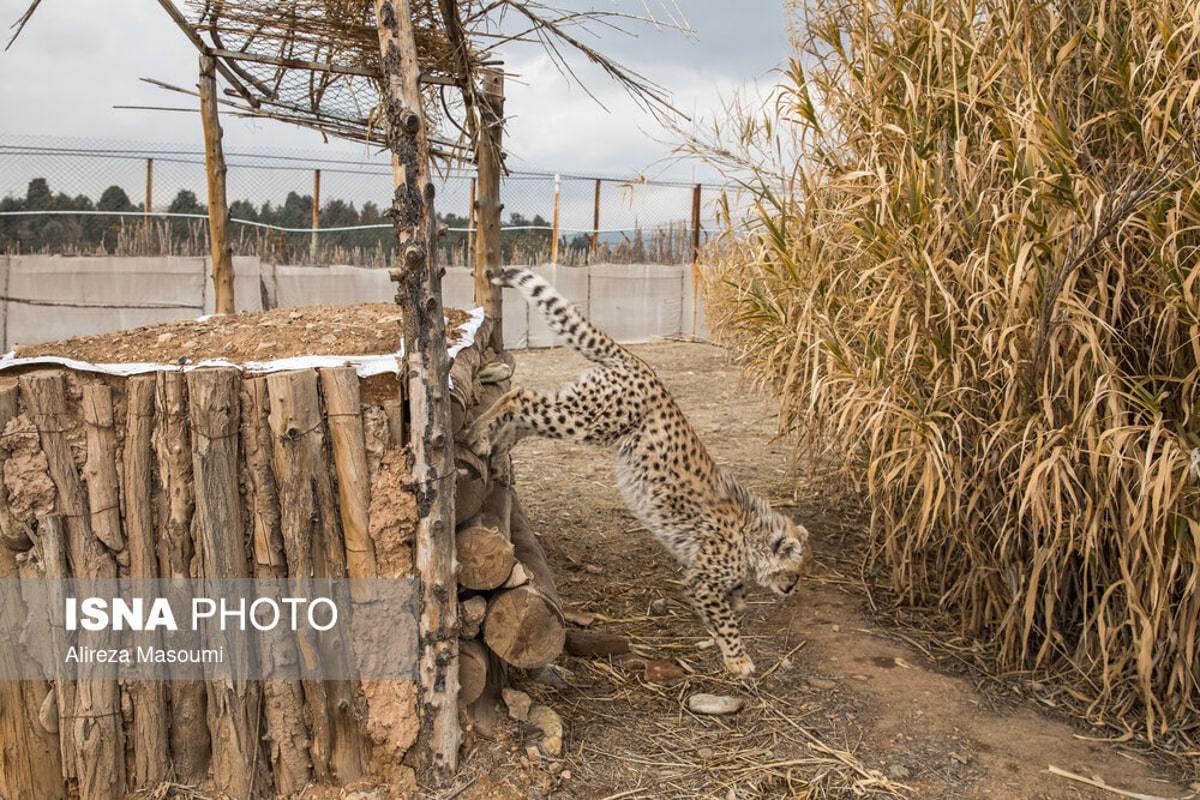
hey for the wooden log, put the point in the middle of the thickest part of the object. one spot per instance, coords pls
(426, 368)
(30, 759)
(470, 616)
(148, 734)
(218, 208)
(314, 549)
(489, 157)
(595, 643)
(283, 700)
(52, 542)
(190, 743)
(100, 472)
(343, 408)
(524, 626)
(472, 485)
(96, 724)
(483, 545)
(472, 670)
(14, 534)
(233, 701)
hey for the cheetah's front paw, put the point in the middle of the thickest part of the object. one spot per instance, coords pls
(741, 665)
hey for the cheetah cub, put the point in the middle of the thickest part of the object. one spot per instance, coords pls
(719, 532)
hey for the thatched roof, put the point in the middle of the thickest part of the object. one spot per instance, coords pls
(316, 62)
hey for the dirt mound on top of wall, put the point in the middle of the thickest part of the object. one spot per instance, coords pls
(363, 329)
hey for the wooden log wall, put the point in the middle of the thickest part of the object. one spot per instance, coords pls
(219, 474)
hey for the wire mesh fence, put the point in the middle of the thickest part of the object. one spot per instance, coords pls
(72, 196)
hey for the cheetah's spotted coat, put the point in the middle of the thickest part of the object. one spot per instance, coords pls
(719, 532)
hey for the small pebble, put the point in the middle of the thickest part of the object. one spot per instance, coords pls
(517, 703)
(898, 771)
(822, 683)
(163, 338)
(714, 704)
(658, 607)
(565, 774)
(295, 315)
(328, 339)
(593, 569)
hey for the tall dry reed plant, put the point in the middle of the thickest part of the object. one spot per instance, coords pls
(973, 271)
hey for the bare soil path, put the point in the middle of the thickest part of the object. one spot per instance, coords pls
(840, 707)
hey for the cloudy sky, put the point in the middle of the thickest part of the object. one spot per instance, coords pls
(78, 58)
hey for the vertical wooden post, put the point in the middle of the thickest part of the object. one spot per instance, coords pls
(471, 217)
(218, 208)
(695, 254)
(554, 226)
(149, 733)
(427, 371)
(487, 205)
(596, 219)
(95, 721)
(233, 700)
(316, 216)
(31, 765)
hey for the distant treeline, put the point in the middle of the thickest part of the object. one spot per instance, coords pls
(128, 235)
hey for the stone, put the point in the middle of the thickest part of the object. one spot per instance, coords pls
(898, 771)
(658, 671)
(550, 724)
(821, 683)
(583, 619)
(517, 703)
(714, 704)
(658, 607)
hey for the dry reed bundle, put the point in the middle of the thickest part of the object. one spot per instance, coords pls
(972, 273)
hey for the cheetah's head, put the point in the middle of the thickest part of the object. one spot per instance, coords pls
(782, 562)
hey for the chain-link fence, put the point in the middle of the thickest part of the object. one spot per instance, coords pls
(72, 196)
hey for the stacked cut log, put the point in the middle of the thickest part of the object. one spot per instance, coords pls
(509, 609)
(219, 474)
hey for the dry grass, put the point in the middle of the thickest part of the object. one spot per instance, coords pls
(972, 274)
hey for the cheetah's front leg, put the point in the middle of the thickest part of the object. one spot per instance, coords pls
(712, 604)
(521, 411)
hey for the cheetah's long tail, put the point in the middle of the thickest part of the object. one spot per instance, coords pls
(562, 315)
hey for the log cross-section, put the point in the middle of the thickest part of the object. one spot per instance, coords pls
(426, 364)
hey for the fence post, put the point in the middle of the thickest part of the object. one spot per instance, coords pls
(487, 204)
(554, 225)
(218, 208)
(695, 254)
(149, 199)
(596, 219)
(316, 216)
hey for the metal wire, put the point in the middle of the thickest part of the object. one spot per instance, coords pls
(270, 193)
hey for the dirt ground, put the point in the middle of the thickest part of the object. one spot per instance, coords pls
(841, 706)
(361, 329)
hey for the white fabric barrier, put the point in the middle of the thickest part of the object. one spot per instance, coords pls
(57, 297)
